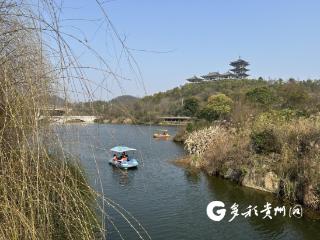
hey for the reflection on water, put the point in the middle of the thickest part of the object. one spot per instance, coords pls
(194, 177)
(169, 201)
(121, 174)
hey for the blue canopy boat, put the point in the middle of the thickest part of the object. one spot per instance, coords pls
(123, 161)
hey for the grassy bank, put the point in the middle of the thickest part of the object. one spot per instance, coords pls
(275, 151)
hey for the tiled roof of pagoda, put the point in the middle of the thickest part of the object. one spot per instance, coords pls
(211, 74)
(239, 62)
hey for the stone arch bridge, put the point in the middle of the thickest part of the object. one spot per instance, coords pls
(58, 115)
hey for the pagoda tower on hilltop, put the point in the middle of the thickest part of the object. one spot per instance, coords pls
(240, 68)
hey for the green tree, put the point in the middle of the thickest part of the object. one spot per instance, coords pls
(261, 95)
(191, 106)
(218, 106)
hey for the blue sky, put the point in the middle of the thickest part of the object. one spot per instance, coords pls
(280, 38)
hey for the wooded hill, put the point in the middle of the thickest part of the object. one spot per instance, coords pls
(233, 100)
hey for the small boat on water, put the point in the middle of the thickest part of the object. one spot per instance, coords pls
(161, 133)
(121, 158)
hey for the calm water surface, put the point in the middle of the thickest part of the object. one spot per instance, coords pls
(169, 201)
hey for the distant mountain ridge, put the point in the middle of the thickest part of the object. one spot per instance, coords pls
(124, 99)
(56, 101)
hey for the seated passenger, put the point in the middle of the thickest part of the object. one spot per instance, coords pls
(115, 158)
(124, 156)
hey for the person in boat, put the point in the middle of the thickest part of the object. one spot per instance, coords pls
(124, 157)
(115, 157)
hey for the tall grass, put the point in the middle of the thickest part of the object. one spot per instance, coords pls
(42, 196)
(43, 193)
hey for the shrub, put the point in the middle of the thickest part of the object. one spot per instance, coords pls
(265, 142)
(191, 106)
(217, 146)
(261, 95)
(220, 103)
(294, 94)
(198, 141)
(275, 118)
(208, 113)
(218, 106)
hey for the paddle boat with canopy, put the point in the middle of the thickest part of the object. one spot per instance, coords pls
(121, 158)
(161, 133)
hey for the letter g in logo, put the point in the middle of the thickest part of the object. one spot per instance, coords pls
(220, 213)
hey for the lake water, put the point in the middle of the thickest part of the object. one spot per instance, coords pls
(170, 202)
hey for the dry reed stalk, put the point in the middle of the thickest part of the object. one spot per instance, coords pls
(43, 195)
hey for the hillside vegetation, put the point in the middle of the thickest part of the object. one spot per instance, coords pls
(233, 100)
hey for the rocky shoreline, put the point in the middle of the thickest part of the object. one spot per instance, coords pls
(268, 182)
